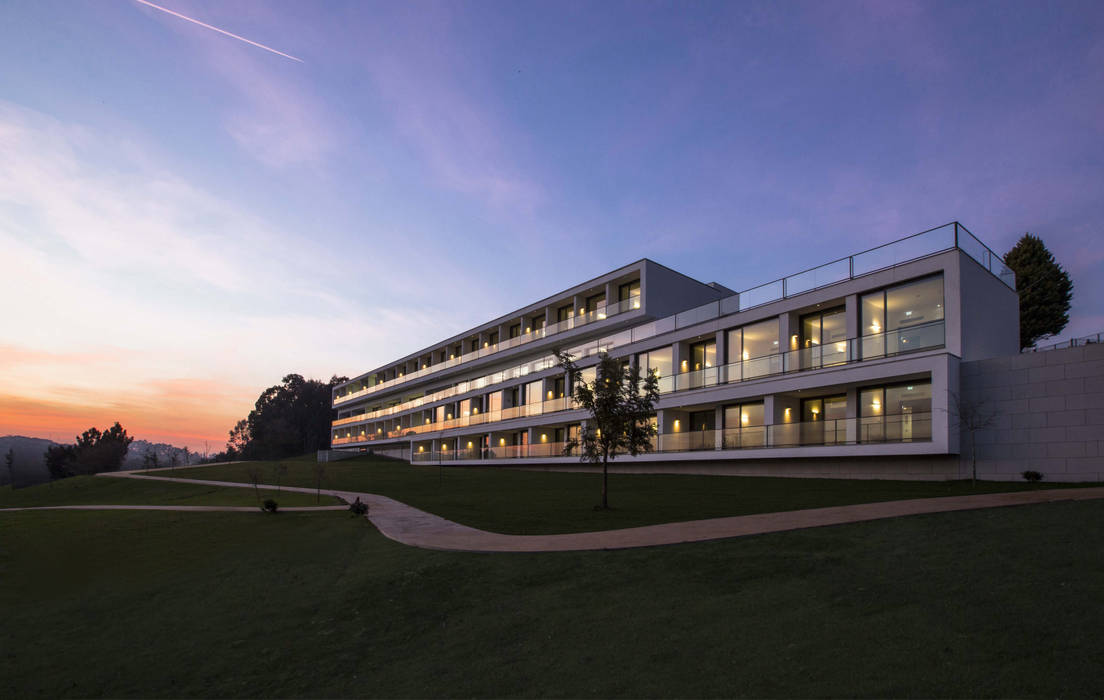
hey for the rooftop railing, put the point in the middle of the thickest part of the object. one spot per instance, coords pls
(917, 246)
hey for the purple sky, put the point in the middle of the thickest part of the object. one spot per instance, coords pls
(186, 217)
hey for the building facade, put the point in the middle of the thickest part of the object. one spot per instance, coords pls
(849, 369)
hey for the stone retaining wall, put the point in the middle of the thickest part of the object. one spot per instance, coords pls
(1048, 410)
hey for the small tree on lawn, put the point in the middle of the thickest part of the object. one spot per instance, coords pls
(973, 415)
(621, 405)
(319, 473)
(281, 471)
(254, 473)
(9, 461)
(187, 457)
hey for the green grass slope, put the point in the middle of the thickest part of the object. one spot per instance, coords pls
(993, 603)
(532, 502)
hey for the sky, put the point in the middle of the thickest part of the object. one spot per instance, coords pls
(186, 217)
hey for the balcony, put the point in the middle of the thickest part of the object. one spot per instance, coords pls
(578, 321)
(926, 336)
(907, 427)
(903, 428)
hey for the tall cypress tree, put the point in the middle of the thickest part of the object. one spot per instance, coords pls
(1045, 290)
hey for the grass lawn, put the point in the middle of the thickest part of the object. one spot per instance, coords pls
(993, 603)
(531, 502)
(101, 490)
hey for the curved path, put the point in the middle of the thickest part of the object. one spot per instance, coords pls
(200, 509)
(418, 528)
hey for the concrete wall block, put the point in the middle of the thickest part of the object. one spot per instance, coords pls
(1066, 386)
(1084, 433)
(1039, 435)
(1093, 351)
(1001, 392)
(1029, 359)
(1046, 373)
(1056, 418)
(1029, 391)
(1094, 416)
(1047, 403)
(1093, 368)
(1094, 385)
(1021, 421)
(1066, 449)
(1087, 401)
(1058, 357)
(1011, 407)
(1085, 465)
(1046, 465)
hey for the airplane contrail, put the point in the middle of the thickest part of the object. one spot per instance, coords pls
(220, 31)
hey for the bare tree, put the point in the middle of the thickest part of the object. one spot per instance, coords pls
(253, 471)
(973, 415)
(281, 471)
(174, 460)
(9, 460)
(187, 456)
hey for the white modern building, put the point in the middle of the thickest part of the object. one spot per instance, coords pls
(847, 369)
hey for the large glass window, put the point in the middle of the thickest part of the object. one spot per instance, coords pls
(595, 302)
(903, 318)
(753, 350)
(658, 359)
(564, 312)
(629, 291)
(703, 355)
(824, 338)
(896, 413)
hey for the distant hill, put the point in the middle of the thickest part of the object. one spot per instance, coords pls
(30, 462)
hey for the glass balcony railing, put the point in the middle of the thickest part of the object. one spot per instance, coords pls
(902, 428)
(907, 427)
(583, 319)
(926, 336)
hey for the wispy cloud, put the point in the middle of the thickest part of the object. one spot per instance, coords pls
(216, 29)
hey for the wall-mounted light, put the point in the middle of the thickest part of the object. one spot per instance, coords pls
(793, 342)
(677, 425)
(549, 394)
(502, 442)
(636, 304)
(544, 437)
(469, 444)
(421, 448)
(786, 415)
(744, 418)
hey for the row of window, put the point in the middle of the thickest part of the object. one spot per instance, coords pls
(874, 402)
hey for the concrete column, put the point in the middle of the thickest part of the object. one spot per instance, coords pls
(852, 412)
(851, 305)
(719, 426)
(611, 293)
(549, 316)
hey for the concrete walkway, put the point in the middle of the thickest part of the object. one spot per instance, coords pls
(198, 509)
(417, 528)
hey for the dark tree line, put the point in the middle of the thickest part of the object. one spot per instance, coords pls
(93, 452)
(291, 418)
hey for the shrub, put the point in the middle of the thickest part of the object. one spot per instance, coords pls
(270, 505)
(358, 507)
(1032, 475)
